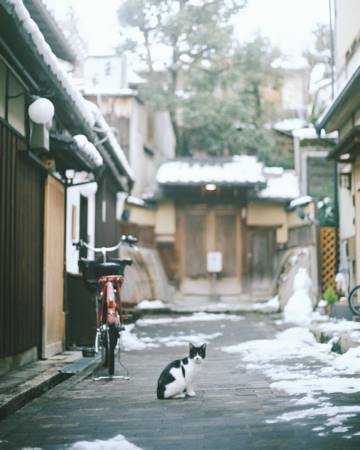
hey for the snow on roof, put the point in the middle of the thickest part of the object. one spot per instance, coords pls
(281, 184)
(310, 133)
(290, 124)
(49, 58)
(43, 48)
(105, 128)
(236, 170)
(88, 150)
(301, 201)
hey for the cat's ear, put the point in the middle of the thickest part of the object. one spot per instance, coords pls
(191, 346)
(203, 347)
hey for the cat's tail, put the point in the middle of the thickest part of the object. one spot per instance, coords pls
(160, 392)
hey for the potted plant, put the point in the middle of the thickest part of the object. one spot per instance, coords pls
(331, 298)
(336, 307)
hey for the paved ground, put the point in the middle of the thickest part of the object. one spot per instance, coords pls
(230, 411)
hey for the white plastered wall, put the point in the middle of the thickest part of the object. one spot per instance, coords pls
(73, 222)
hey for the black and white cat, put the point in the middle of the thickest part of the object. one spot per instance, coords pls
(176, 380)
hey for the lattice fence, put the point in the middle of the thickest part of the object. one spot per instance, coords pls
(328, 251)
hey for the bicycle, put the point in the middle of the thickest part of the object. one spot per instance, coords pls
(354, 300)
(105, 277)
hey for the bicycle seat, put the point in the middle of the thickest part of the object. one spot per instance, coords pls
(112, 267)
(123, 261)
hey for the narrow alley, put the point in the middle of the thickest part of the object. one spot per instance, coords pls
(250, 396)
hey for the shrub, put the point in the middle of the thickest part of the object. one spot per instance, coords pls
(330, 296)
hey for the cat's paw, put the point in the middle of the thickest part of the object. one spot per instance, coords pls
(179, 396)
(191, 393)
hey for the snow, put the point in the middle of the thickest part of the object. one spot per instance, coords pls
(241, 169)
(137, 201)
(103, 127)
(299, 307)
(68, 88)
(307, 371)
(280, 186)
(272, 305)
(88, 150)
(116, 443)
(197, 317)
(300, 201)
(338, 326)
(305, 133)
(290, 124)
(177, 340)
(151, 304)
(131, 341)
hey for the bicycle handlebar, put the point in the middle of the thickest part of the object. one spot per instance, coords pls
(128, 239)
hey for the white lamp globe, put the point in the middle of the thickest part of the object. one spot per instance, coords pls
(41, 111)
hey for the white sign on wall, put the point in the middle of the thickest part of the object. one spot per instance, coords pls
(214, 262)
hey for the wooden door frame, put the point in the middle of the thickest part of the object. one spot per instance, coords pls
(250, 229)
(210, 212)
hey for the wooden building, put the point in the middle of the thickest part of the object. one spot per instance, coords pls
(228, 218)
(35, 158)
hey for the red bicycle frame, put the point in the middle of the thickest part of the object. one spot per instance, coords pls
(108, 285)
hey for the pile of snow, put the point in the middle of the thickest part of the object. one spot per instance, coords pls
(151, 304)
(299, 308)
(129, 341)
(118, 442)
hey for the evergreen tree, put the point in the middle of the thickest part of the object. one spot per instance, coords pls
(212, 86)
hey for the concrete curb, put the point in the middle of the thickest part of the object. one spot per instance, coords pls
(41, 383)
(344, 343)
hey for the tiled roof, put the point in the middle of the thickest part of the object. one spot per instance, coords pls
(243, 170)
(238, 170)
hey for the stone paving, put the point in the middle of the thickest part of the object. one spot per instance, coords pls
(229, 412)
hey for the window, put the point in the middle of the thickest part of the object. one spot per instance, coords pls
(12, 99)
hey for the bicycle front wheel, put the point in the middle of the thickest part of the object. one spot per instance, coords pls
(105, 348)
(113, 338)
(354, 300)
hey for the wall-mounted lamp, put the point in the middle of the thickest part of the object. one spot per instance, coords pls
(210, 187)
(41, 111)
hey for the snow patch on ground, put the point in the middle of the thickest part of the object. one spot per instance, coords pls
(197, 317)
(272, 305)
(131, 341)
(338, 326)
(306, 370)
(116, 443)
(151, 304)
(182, 340)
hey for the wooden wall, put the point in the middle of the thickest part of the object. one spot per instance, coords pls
(53, 294)
(21, 246)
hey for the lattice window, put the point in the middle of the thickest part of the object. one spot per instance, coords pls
(328, 256)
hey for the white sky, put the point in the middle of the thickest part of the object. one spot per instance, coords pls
(287, 23)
